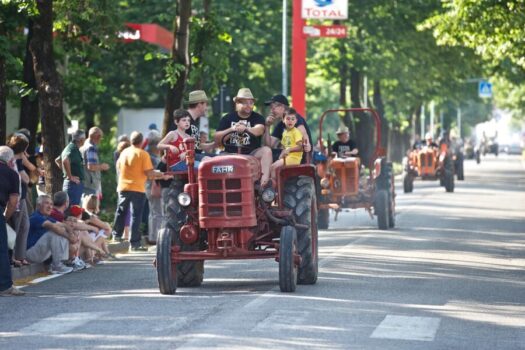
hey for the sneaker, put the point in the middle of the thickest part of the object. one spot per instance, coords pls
(13, 291)
(78, 264)
(138, 249)
(60, 269)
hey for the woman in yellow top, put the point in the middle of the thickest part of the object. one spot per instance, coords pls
(292, 142)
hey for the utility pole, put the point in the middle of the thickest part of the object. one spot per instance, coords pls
(432, 116)
(422, 122)
(459, 122)
(284, 54)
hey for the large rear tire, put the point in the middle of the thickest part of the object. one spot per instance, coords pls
(408, 183)
(189, 273)
(299, 196)
(287, 266)
(381, 209)
(166, 272)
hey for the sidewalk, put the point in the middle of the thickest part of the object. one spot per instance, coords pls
(33, 269)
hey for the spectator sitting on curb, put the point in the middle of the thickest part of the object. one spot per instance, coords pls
(60, 203)
(9, 193)
(90, 204)
(48, 238)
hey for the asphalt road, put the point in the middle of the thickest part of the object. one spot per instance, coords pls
(450, 276)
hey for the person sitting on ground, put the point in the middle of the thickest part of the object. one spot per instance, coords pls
(430, 141)
(344, 146)
(278, 107)
(60, 213)
(95, 249)
(292, 143)
(244, 129)
(90, 204)
(48, 237)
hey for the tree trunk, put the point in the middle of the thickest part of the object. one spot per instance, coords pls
(89, 118)
(364, 131)
(199, 85)
(29, 117)
(380, 108)
(3, 94)
(180, 57)
(49, 91)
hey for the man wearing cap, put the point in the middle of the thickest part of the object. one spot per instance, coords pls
(244, 129)
(344, 147)
(430, 141)
(198, 107)
(278, 107)
(92, 165)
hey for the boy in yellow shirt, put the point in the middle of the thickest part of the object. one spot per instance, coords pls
(292, 142)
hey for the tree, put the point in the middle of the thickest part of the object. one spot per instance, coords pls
(50, 93)
(178, 67)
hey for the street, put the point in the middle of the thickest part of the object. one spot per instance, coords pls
(451, 275)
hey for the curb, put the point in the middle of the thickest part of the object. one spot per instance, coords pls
(36, 268)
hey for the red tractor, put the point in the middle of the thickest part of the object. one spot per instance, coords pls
(429, 163)
(353, 182)
(221, 212)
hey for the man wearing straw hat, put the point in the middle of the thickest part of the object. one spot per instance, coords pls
(244, 129)
(197, 107)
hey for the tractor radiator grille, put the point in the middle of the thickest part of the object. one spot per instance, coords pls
(223, 197)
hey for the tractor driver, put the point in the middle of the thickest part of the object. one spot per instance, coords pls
(429, 141)
(344, 146)
(245, 128)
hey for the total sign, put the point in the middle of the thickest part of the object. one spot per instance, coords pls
(324, 9)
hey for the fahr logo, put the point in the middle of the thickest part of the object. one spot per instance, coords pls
(222, 169)
(324, 9)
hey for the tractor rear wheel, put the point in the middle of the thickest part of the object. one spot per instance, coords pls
(166, 272)
(408, 183)
(189, 273)
(449, 175)
(381, 209)
(300, 197)
(287, 266)
(323, 219)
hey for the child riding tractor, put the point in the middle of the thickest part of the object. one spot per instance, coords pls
(344, 183)
(220, 211)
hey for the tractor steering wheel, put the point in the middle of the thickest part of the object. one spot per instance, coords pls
(229, 143)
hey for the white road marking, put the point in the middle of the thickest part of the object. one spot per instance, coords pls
(282, 319)
(407, 328)
(45, 278)
(178, 324)
(61, 323)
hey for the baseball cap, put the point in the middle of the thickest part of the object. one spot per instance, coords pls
(277, 98)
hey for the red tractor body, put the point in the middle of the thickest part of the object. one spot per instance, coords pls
(222, 213)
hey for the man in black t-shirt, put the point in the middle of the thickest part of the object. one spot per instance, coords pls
(278, 106)
(9, 194)
(344, 147)
(244, 129)
(197, 107)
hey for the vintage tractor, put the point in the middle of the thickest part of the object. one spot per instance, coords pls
(220, 211)
(429, 163)
(354, 182)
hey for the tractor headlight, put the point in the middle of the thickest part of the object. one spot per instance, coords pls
(325, 183)
(184, 199)
(268, 195)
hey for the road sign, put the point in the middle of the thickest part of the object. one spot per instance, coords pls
(319, 31)
(485, 89)
(324, 9)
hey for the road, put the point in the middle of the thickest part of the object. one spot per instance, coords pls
(450, 276)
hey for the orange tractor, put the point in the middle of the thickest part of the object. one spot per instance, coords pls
(429, 163)
(220, 211)
(353, 182)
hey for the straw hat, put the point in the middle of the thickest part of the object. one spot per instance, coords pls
(342, 129)
(244, 93)
(196, 97)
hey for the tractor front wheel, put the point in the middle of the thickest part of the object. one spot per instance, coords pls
(287, 265)
(166, 272)
(300, 197)
(189, 273)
